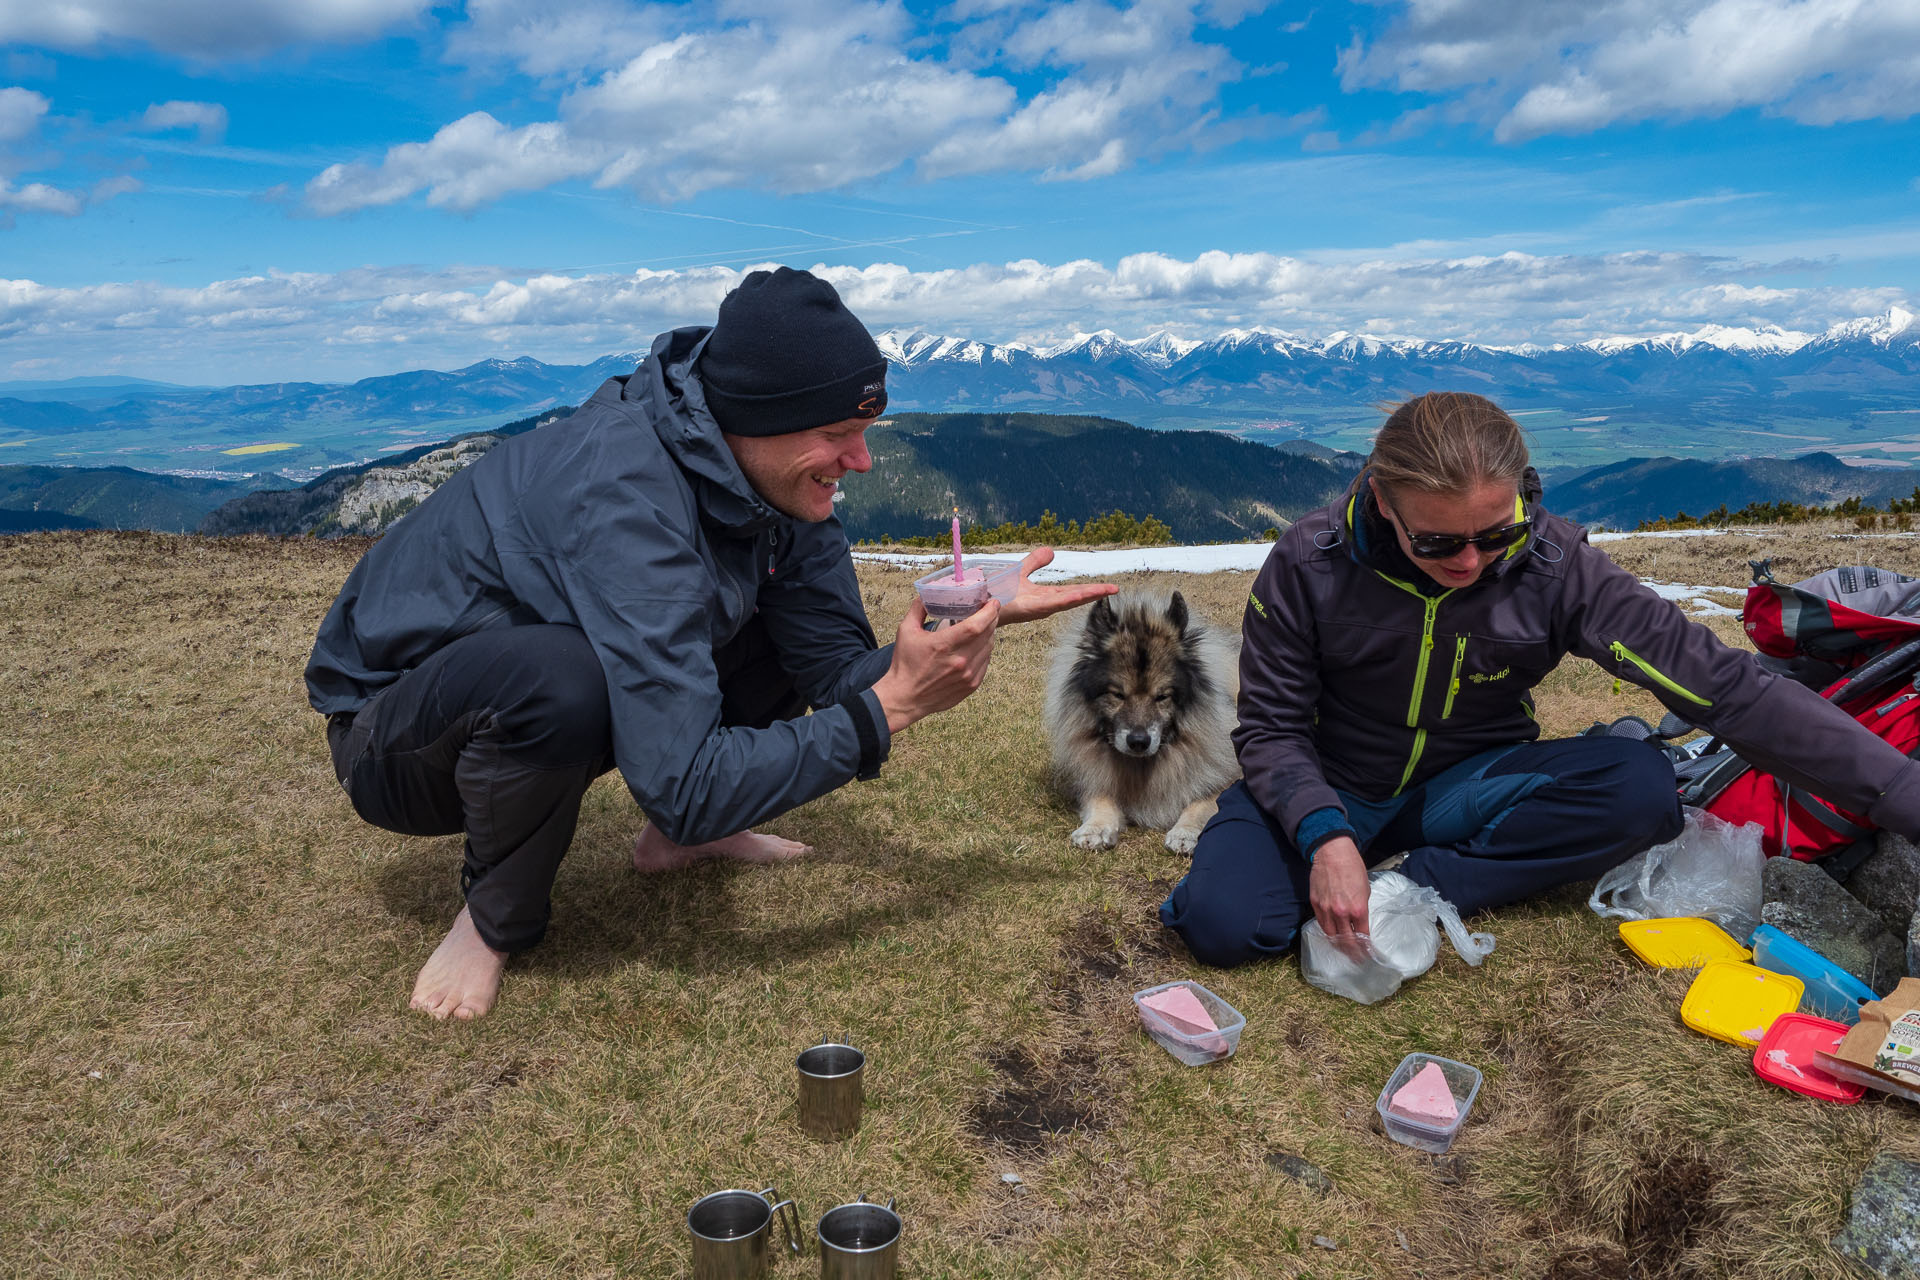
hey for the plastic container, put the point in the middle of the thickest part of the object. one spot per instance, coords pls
(1680, 942)
(1194, 1050)
(945, 598)
(1786, 1058)
(1831, 991)
(1738, 1002)
(1462, 1080)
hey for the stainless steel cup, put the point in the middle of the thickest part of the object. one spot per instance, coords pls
(831, 1092)
(859, 1241)
(731, 1230)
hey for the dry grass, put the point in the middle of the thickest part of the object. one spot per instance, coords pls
(208, 1068)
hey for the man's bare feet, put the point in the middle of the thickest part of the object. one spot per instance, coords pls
(654, 852)
(461, 979)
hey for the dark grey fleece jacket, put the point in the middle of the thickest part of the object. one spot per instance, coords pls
(631, 521)
(1361, 674)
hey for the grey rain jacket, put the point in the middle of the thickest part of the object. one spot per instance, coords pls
(1359, 672)
(631, 521)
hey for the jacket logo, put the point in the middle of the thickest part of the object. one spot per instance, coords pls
(1258, 608)
(1482, 677)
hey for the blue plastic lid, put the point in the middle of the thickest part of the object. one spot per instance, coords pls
(1831, 992)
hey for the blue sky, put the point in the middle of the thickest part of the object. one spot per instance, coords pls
(217, 191)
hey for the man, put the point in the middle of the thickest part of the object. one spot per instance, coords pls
(656, 584)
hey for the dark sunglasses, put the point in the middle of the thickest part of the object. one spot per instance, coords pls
(1443, 546)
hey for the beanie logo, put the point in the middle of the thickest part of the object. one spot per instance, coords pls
(873, 399)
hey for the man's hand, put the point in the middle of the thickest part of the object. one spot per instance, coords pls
(1039, 602)
(1338, 889)
(934, 670)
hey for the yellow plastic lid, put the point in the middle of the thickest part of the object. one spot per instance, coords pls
(1680, 942)
(1738, 1002)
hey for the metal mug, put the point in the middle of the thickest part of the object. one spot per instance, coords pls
(859, 1241)
(831, 1091)
(731, 1230)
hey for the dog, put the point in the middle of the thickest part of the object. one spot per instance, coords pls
(1140, 713)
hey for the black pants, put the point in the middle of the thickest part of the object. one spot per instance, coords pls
(498, 735)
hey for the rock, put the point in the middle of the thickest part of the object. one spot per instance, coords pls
(1889, 881)
(1913, 947)
(1448, 1171)
(1400, 1238)
(1883, 1228)
(1011, 1179)
(1311, 1176)
(1803, 902)
(1322, 1242)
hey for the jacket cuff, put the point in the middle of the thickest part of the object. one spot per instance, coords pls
(870, 726)
(1898, 808)
(1319, 827)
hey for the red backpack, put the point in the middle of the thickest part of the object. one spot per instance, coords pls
(1853, 633)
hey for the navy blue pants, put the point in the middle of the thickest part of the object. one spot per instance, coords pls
(1497, 827)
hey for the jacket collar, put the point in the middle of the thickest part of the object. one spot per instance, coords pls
(666, 388)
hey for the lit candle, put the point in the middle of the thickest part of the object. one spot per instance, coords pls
(959, 575)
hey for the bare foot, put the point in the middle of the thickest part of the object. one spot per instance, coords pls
(461, 979)
(654, 852)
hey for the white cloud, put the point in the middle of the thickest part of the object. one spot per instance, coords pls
(199, 28)
(1534, 67)
(21, 111)
(354, 323)
(810, 96)
(38, 197)
(209, 119)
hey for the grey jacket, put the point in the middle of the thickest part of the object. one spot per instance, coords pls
(1360, 673)
(631, 521)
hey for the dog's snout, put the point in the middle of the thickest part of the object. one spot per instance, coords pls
(1139, 740)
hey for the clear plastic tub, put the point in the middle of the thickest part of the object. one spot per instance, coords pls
(945, 598)
(1463, 1082)
(1193, 1049)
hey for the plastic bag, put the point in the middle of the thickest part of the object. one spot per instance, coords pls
(1712, 870)
(1400, 942)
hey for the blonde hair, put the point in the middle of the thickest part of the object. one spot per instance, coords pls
(1448, 442)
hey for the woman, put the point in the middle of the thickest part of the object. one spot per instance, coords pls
(1391, 641)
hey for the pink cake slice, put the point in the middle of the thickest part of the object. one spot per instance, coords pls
(1426, 1098)
(1183, 1009)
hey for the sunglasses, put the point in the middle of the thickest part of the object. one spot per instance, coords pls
(1443, 546)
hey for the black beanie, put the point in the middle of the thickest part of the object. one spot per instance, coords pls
(786, 355)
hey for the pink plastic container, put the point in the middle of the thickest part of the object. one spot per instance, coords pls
(986, 578)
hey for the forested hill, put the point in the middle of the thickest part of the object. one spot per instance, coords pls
(1207, 485)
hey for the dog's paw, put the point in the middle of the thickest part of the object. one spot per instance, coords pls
(1183, 839)
(1094, 835)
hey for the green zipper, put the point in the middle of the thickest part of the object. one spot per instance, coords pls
(1431, 605)
(1623, 654)
(1453, 687)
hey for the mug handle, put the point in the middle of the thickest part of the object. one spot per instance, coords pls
(789, 1221)
(863, 1200)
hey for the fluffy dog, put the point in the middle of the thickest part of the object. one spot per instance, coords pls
(1140, 709)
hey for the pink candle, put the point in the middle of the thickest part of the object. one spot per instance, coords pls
(958, 575)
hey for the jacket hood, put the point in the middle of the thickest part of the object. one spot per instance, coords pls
(1370, 542)
(666, 387)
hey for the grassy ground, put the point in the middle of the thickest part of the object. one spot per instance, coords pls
(208, 1068)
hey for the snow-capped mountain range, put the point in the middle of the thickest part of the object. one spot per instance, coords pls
(1859, 366)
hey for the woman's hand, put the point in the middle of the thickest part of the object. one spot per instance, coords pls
(1338, 890)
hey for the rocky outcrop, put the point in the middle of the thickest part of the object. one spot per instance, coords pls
(1804, 902)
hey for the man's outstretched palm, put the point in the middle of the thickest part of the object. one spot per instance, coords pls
(1039, 601)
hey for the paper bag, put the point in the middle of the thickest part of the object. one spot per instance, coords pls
(1887, 1041)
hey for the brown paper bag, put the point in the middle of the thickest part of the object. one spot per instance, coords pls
(1887, 1041)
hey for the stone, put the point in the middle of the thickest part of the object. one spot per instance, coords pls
(1311, 1176)
(1011, 1179)
(1883, 1227)
(1324, 1242)
(1888, 882)
(1803, 902)
(1913, 947)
